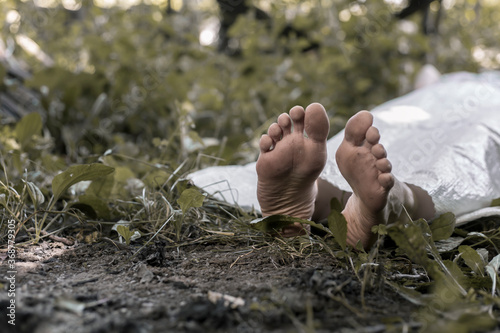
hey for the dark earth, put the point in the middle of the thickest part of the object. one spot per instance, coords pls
(102, 288)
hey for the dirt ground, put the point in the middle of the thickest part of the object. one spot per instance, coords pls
(202, 288)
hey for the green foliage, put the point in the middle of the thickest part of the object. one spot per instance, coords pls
(443, 226)
(28, 126)
(93, 206)
(125, 232)
(121, 74)
(472, 259)
(190, 198)
(450, 280)
(414, 239)
(78, 173)
(35, 194)
(337, 223)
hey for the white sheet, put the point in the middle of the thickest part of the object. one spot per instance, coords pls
(444, 138)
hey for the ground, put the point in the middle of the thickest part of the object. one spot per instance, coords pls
(101, 288)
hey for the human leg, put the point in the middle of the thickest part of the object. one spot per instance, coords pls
(289, 166)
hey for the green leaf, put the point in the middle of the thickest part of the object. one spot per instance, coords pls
(104, 187)
(53, 163)
(113, 186)
(35, 194)
(338, 226)
(454, 271)
(120, 179)
(28, 126)
(190, 198)
(125, 232)
(379, 229)
(415, 239)
(443, 226)
(472, 259)
(156, 178)
(93, 205)
(335, 205)
(409, 238)
(77, 173)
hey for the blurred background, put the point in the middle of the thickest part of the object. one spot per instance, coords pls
(204, 78)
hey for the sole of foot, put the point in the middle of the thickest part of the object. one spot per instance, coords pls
(292, 156)
(363, 162)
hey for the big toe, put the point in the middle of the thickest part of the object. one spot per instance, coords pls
(357, 127)
(316, 121)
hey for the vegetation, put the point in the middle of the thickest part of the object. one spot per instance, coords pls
(131, 102)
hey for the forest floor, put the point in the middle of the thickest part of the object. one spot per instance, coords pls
(100, 287)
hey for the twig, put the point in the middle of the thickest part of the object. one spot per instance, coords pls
(120, 246)
(241, 256)
(79, 283)
(55, 238)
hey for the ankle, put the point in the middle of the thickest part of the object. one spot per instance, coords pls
(360, 223)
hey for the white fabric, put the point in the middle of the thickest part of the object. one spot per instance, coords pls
(444, 138)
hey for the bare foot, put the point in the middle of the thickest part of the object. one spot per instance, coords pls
(363, 163)
(290, 162)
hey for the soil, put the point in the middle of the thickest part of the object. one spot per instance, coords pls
(101, 288)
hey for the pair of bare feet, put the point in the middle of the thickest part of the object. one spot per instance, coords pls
(293, 154)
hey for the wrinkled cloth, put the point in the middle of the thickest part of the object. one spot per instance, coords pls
(444, 138)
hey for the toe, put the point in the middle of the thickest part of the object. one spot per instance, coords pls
(379, 151)
(316, 122)
(386, 180)
(297, 114)
(285, 123)
(372, 135)
(265, 143)
(275, 132)
(357, 126)
(383, 165)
